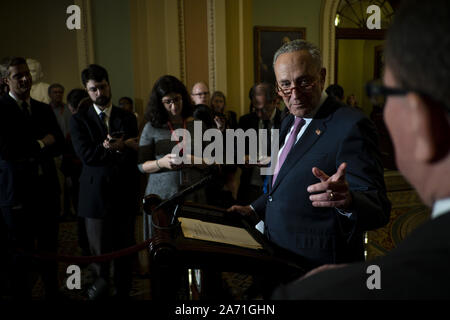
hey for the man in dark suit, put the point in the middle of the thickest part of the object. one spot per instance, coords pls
(265, 116)
(417, 115)
(327, 187)
(29, 199)
(109, 179)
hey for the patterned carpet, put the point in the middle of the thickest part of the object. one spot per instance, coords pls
(407, 213)
(68, 246)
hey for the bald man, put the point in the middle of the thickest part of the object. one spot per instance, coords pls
(200, 93)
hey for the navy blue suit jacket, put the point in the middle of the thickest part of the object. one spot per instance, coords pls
(337, 134)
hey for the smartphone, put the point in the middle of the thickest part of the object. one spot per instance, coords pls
(117, 134)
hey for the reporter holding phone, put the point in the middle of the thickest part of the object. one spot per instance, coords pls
(168, 109)
(109, 179)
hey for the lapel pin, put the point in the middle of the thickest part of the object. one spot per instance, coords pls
(318, 132)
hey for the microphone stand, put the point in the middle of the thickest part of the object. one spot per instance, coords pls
(178, 198)
(174, 216)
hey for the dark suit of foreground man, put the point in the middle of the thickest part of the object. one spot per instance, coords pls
(29, 189)
(417, 115)
(108, 181)
(330, 188)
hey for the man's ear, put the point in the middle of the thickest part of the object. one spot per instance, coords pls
(430, 126)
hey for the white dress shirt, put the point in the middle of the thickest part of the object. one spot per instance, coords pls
(440, 207)
(107, 112)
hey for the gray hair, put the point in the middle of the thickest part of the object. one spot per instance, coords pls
(297, 45)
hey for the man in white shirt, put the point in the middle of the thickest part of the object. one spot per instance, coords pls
(29, 193)
(108, 180)
(327, 188)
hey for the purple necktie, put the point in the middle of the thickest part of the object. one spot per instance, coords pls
(291, 141)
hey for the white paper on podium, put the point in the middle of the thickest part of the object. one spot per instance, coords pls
(202, 230)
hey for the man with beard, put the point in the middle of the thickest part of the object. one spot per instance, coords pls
(108, 181)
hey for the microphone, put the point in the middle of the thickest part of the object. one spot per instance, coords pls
(177, 197)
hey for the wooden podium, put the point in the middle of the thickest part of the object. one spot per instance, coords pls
(172, 254)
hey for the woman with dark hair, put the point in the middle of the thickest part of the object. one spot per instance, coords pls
(169, 109)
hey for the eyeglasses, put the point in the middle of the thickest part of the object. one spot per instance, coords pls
(301, 84)
(378, 92)
(201, 93)
(175, 100)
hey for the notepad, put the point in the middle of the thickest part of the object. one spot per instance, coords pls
(202, 230)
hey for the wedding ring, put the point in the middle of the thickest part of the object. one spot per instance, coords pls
(331, 195)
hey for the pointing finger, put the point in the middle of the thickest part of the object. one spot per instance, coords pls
(319, 174)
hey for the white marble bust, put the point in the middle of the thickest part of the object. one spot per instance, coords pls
(39, 89)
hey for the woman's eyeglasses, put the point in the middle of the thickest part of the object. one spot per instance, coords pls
(175, 100)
